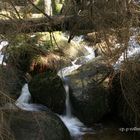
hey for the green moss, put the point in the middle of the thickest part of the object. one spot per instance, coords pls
(58, 8)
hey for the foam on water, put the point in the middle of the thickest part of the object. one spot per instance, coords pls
(75, 126)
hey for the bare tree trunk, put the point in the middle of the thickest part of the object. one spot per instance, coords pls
(48, 7)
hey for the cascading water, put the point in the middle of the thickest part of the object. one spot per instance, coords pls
(2, 45)
(24, 100)
(67, 102)
(75, 127)
(78, 62)
(73, 124)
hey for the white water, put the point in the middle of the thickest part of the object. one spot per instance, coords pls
(68, 111)
(2, 45)
(23, 102)
(133, 49)
(78, 62)
(74, 125)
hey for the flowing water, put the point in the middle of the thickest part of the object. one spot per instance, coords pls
(133, 48)
(74, 125)
(78, 62)
(24, 101)
(76, 128)
(2, 45)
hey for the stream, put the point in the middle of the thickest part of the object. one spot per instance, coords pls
(76, 128)
(74, 125)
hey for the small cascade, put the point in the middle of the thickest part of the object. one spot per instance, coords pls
(68, 70)
(2, 45)
(74, 125)
(68, 112)
(24, 101)
(78, 62)
(25, 96)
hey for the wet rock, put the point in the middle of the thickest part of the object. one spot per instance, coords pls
(47, 89)
(89, 97)
(11, 82)
(24, 125)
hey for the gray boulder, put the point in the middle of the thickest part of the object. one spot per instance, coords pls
(89, 96)
(47, 89)
(24, 125)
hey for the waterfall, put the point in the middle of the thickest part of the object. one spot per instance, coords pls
(25, 96)
(74, 125)
(23, 102)
(67, 102)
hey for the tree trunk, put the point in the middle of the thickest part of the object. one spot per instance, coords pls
(48, 7)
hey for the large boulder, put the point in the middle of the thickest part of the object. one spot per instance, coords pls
(24, 125)
(89, 95)
(48, 89)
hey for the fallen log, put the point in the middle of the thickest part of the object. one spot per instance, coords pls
(74, 23)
